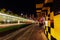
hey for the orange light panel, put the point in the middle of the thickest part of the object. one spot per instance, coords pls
(38, 10)
(48, 1)
(39, 5)
(45, 8)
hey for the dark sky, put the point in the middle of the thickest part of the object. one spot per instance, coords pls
(18, 6)
(56, 5)
(25, 6)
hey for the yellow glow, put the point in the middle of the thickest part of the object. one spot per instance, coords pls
(52, 16)
(45, 8)
(47, 28)
(39, 5)
(55, 32)
(49, 36)
(48, 1)
(57, 23)
(38, 10)
(48, 10)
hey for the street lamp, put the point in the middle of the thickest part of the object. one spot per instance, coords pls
(22, 14)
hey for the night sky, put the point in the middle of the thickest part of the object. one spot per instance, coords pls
(19, 6)
(25, 6)
(56, 5)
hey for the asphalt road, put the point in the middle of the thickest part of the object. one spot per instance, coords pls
(31, 32)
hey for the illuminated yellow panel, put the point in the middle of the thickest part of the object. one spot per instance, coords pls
(46, 28)
(49, 23)
(52, 16)
(46, 17)
(55, 32)
(49, 36)
(57, 23)
(49, 11)
(48, 1)
(45, 8)
(38, 10)
(39, 5)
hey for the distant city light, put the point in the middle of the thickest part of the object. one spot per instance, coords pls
(8, 20)
(3, 14)
(13, 18)
(21, 13)
(58, 11)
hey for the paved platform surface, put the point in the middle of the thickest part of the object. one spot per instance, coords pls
(31, 32)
